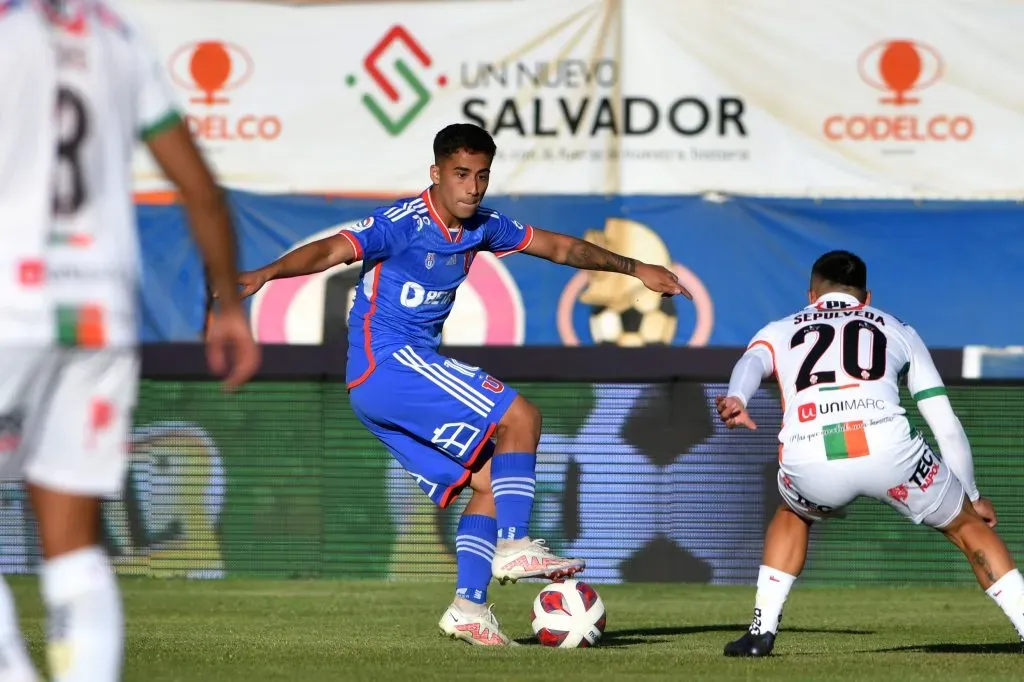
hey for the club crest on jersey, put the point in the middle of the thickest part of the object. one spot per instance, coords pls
(429, 260)
(364, 224)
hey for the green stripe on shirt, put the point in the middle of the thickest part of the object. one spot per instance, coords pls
(929, 393)
(165, 122)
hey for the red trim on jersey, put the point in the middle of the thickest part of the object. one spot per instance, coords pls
(437, 218)
(454, 489)
(366, 331)
(771, 350)
(354, 242)
(75, 25)
(525, 243)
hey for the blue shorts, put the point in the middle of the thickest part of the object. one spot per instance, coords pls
(436, 416)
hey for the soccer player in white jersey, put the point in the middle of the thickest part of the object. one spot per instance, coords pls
(844, 435)
(77, 87)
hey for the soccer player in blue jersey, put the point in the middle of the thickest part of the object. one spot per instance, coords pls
(450, 425)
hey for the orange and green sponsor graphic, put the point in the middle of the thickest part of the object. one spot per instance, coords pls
(845, 440)
(81, 326)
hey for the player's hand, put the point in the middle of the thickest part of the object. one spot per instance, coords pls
(733, 414)
(231, 351)
(662, 280)
(983, 508)
(251, 282)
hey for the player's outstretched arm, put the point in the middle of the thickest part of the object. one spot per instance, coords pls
(311, 258)
(230, 347)
(578, 253)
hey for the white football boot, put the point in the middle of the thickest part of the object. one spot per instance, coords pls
(479, 629)
(526, 558)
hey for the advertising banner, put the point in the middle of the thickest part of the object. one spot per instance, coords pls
(825, 98)
(938, 265)
(349, 98)
(806, 98)
(641, 480)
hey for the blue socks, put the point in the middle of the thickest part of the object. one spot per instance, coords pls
(474, 549)
(513, 481)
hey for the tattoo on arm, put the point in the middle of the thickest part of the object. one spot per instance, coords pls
(979, 559)
(586, 256)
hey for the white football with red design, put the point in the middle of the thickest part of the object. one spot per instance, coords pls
(568, 614)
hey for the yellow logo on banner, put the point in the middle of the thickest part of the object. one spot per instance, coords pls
(623, 311)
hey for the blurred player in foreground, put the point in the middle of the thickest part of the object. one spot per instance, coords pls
(76, 89)
(438, 416)
(844, 435)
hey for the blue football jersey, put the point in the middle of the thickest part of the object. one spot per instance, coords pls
(412, 265)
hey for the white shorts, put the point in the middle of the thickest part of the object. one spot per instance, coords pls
(65, 416)
(912, 479)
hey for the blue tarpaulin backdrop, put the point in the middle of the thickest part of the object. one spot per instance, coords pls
(954, 270)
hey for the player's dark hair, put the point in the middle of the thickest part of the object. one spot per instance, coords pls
(842, 270)
(467, 136)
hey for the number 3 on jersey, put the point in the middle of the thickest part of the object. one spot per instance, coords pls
(850, 338)
(73, 125)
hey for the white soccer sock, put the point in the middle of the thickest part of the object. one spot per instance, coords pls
(772, 589)
(15, 665)
(1008, 593)
(85, 624)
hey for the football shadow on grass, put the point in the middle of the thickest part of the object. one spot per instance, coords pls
(949, 648)
(636, 636)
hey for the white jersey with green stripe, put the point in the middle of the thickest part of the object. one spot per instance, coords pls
(839, 364)
(107, 88)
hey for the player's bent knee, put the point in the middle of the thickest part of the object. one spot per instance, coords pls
(522, 417)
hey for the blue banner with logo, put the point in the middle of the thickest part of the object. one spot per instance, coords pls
(951, 269)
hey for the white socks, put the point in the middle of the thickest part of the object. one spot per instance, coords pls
(1008, 593)
(85, 625)
(772, 589)
(15, 665)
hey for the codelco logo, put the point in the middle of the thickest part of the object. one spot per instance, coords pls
(901, 69)
(413, 78)
(210, 70)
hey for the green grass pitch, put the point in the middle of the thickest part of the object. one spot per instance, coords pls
(242, 630)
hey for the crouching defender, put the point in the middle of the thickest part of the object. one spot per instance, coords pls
(844, 435)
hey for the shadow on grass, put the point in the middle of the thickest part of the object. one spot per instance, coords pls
(948, 648)
(637, 636)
